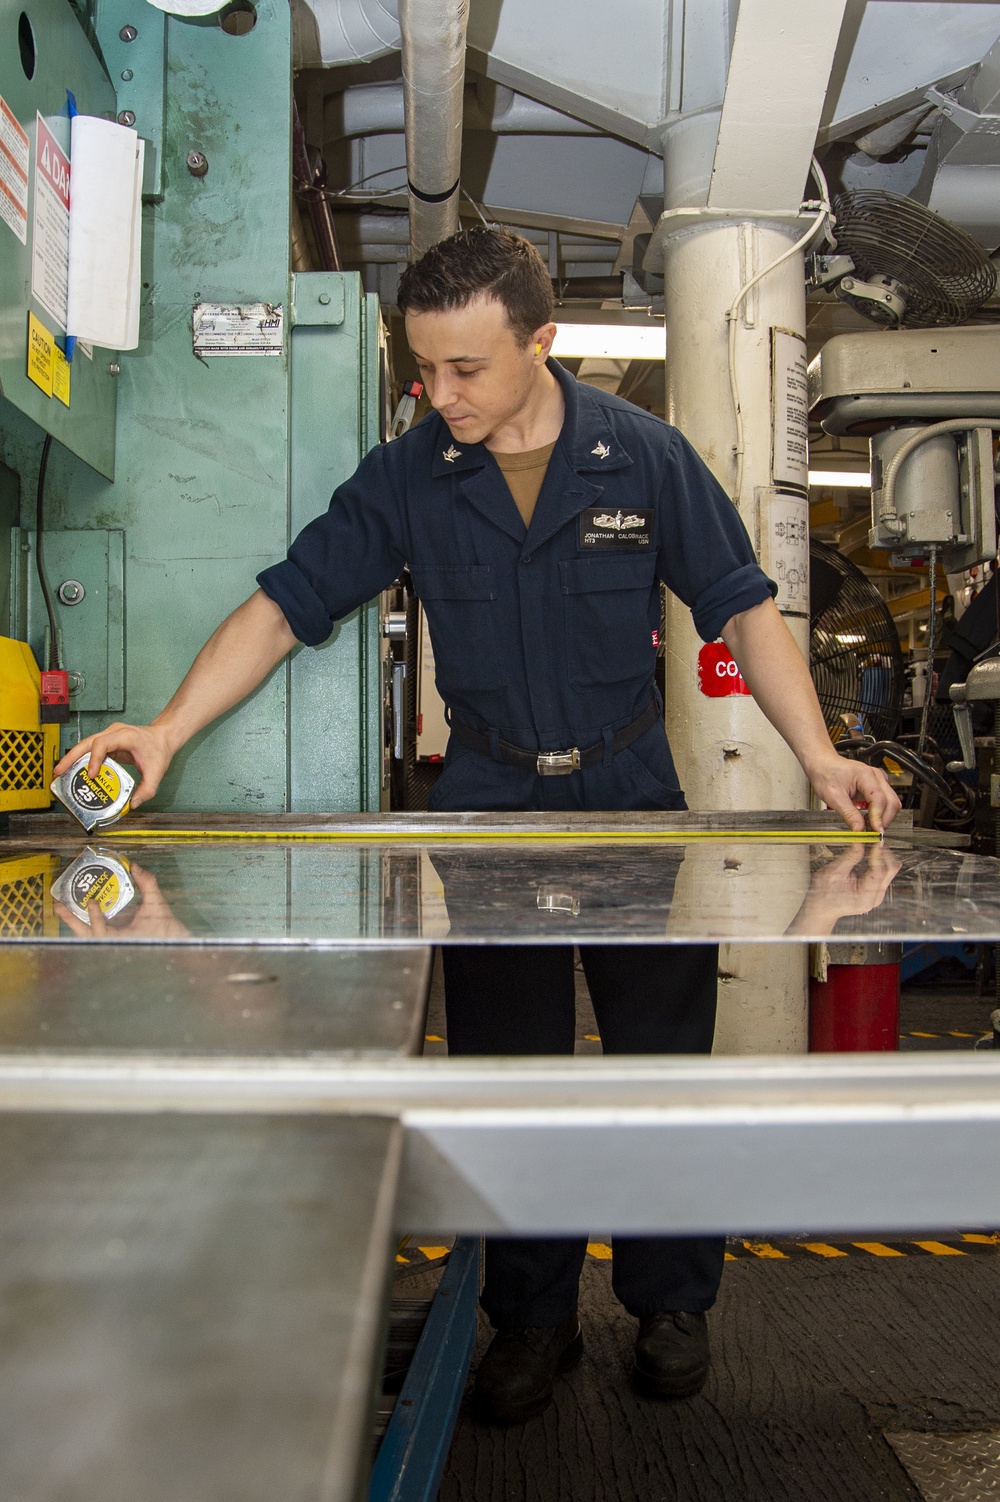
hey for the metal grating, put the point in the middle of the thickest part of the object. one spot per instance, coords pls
(22, 761)
(22, 907)
(951, 1467)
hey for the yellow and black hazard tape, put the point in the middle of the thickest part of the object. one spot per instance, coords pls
(959, 1244)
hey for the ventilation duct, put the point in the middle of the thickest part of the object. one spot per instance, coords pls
(433, 44)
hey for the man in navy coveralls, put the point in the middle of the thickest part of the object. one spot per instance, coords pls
(537, 518)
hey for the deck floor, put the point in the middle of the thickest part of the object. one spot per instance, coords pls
(815, 1357)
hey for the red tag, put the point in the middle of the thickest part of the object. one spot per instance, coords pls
(656, 640)
(718, 675)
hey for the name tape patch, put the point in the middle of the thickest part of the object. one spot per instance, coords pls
(601, 528)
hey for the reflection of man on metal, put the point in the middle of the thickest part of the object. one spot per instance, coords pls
(544, 615)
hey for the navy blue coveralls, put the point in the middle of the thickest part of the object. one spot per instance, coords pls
(546, 637)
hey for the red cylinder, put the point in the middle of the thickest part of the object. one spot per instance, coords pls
(855, 1010)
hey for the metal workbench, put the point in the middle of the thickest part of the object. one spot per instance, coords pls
(213, 1123)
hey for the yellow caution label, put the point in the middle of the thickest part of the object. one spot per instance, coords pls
(60, 376)
(41, 346)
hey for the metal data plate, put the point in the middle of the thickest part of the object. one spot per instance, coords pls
(192, 1306)
(530, 879)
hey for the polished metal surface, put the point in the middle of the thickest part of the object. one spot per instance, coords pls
(207, 1000)
(192, 1306)
(635, 1145)
(502, 879)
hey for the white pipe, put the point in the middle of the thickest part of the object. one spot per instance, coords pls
(433, 46)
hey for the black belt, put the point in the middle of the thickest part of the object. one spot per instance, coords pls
(556, 763)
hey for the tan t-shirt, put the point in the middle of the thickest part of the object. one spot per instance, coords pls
(524, 474)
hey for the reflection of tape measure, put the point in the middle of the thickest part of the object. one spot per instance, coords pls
(95, 879)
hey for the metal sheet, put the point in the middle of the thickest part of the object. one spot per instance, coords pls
(191, 1307)
(951, 1467)
(209, 1001)
(448, 880)
(680, 1145)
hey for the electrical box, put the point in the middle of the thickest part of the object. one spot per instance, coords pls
(44, 55)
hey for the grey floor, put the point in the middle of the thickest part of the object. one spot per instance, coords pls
(815, 1357)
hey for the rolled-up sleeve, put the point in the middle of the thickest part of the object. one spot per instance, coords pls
(706, 557)
(343, 558)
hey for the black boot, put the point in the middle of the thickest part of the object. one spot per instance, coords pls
(514, 1380)
(671, 1354)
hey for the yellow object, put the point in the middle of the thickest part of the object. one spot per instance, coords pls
(480, 836)
(60, 376)
(40, 351)
(25, 903)
(28, 749)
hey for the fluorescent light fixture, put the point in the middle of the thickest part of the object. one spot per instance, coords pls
(610, 341)
(852, 479)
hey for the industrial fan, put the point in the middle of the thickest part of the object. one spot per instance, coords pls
(854, 651)
(901, 265)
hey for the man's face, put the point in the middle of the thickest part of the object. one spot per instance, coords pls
(474, 370)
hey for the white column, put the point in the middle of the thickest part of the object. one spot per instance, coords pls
(728, 756)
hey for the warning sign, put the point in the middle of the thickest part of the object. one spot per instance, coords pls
(50, 224)
(14, 156)
(41, 347)
(61, 369)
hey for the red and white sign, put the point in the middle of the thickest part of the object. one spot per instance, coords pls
(50, 224)
(15, 153)
(718, 674)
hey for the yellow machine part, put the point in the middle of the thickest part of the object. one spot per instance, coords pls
(28, 749)
(26, 910)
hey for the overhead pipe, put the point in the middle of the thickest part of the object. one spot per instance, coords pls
(433, 46)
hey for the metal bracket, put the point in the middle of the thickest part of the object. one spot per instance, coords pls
(132, 38)
(317, 299)
(968, 121)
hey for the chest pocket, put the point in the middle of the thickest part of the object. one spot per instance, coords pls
(609, 603)
(461, 607)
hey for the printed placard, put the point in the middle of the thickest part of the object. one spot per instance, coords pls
(50, 224)
(719, 676)
(40, 350)
(61, 369)
(15, 154)
(789, 410)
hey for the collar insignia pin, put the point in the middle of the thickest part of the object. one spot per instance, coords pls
(602, 450)
(451, 453)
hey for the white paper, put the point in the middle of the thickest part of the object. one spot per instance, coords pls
(105, 233)
(188, 7)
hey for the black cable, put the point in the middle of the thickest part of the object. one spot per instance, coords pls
(39, 560)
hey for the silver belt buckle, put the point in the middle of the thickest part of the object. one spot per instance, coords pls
(550, 900)
(558, 763)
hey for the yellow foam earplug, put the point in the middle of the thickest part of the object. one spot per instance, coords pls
(538, 349)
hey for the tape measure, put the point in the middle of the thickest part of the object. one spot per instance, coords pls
(492, 836)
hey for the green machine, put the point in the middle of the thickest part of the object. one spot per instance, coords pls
(178, 472)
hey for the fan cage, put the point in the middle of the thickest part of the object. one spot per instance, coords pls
(944, 274)
(854, 651)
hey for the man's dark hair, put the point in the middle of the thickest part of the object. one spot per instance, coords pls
(478, 261)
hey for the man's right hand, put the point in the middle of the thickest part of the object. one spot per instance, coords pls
(145, 746)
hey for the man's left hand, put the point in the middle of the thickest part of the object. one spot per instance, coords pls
(843, 783)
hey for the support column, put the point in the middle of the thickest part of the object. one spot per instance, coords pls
(727, 754)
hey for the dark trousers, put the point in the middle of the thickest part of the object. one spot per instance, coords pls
(520, 999)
